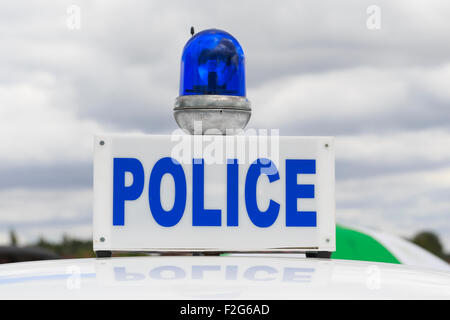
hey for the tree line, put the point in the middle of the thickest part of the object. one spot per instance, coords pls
(70, 247)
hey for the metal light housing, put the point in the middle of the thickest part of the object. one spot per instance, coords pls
(212, 85)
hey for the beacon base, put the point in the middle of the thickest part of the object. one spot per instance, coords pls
(212, 114)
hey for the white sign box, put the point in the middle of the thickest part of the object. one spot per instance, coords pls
(213, 193)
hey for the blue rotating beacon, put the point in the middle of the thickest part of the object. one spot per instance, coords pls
(212, 85)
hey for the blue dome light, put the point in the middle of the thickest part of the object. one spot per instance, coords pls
(212, 64)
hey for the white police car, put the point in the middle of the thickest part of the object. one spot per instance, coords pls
(223, 278)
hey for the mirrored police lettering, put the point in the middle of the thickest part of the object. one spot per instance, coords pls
(257, 273)
(213, 217)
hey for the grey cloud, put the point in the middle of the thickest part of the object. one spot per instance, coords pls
(83, 220)
(359, 169)
(53, 176)
(99, 62)
(408, 118)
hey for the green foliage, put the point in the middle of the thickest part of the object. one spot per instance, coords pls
(429, 241)
(68, 247)
(12, 238)
(75, 248)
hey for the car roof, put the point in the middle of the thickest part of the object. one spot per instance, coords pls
(219, 277)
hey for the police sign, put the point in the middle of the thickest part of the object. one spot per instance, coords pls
(213, 193)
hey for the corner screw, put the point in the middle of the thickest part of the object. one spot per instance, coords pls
(102, 239)
(102, 142)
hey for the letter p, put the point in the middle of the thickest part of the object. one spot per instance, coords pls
(121, 192)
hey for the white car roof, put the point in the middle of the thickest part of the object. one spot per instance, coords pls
(210, 277)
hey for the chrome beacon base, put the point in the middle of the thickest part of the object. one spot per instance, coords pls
(212, 114)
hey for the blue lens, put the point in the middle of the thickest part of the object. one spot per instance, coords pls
(212, 63)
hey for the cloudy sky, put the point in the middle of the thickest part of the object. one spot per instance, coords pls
(375, 77)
